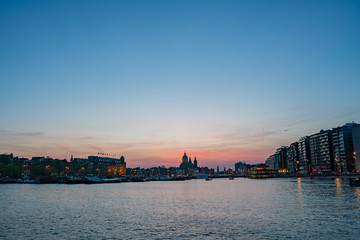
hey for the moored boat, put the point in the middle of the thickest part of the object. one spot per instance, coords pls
(74, 180)
(8, 180)
(112, 180)
(355, 182)
(92, 180)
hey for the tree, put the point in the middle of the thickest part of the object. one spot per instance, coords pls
(40, 170)
(11, 170)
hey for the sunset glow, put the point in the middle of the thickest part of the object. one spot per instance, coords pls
(224, 81)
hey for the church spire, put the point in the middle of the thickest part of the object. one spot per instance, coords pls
(185, 159)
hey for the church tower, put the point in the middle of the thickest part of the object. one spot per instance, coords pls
(185, 159)
(195, 162)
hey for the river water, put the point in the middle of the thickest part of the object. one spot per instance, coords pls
(284, 208)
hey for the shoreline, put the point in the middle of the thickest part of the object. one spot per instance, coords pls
(159, 179)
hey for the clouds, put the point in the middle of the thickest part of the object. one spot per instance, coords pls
(225, 90)
(12, 134)
(229, 145)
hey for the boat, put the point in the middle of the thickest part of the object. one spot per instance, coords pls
(93, 180)
(138, 179)
(355, 182)
(111, 180)
(74, 180)
(27, 179)
(61, 180)
(259, 172)
(8, 180)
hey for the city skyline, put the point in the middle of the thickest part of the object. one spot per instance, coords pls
(231, 163)
(225, 81)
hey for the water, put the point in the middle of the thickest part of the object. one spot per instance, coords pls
(291, 208)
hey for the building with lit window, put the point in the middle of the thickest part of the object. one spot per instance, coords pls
(355, 133)
(293, 158)
(282, 155)
(270, 162)
(336, 150)
(114, 166)
(321, 153)
(304, 155)
(344, 143)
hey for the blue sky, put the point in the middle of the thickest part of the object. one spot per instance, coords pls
(223, 80)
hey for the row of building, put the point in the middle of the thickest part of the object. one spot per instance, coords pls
(100, 165)
(11, 166)
(328, 151)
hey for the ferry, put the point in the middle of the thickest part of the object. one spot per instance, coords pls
(259, 172)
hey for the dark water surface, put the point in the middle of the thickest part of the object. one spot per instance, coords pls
(291, 208)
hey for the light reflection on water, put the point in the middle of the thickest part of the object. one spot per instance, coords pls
(296, 208)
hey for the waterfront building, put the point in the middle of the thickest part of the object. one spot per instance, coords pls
(304, 155)
(113, 166)
(270, 162)
(240, 167)
(336, 150)
(340, 149)
(321, 153)
(355, 132)
(293, 158)
(343, 148)
(281, 154)
(273, 162)
(276, 161)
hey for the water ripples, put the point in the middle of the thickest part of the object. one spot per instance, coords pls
(197, 209)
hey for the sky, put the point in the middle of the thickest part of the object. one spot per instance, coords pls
(225, 81)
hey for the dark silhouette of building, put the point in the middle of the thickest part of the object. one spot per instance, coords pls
(185, 160)
(344, 143)
(304, 155)
(187, 164)
(321, 153)
(336, 150)
(293, 158)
